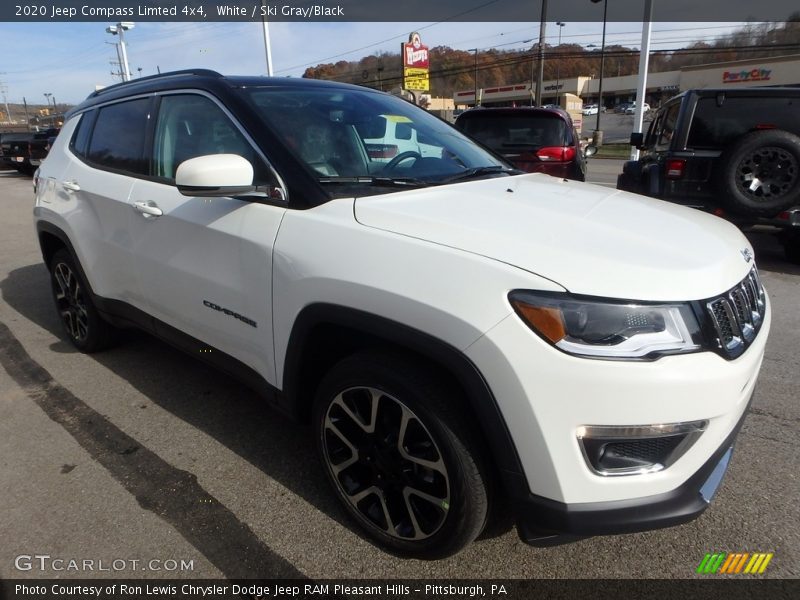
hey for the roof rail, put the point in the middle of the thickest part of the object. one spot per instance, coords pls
(203, 72)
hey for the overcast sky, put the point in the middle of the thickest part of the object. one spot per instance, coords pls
(69, 59)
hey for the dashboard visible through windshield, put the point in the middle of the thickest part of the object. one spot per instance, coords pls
(367, 140)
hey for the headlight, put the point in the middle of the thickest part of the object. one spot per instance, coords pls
(602, 328)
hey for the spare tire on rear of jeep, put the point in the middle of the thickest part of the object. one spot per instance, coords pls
(759, 175)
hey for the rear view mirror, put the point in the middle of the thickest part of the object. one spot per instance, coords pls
(215, 175)
(590, 150)
(637, 140)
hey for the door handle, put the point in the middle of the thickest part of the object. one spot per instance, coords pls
(148, 209)
(71, 186)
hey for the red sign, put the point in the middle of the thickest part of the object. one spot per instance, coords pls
(415, 54)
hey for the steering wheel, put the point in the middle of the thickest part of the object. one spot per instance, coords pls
(390, 166)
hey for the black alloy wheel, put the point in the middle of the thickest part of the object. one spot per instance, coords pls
(400, 456)
(81, 322)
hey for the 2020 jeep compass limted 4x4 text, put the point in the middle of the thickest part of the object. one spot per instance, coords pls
(455, 332)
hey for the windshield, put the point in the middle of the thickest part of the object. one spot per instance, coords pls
(353, 138)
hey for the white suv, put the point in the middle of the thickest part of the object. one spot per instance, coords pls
(455, 332)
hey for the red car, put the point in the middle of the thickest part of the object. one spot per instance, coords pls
(536, 140)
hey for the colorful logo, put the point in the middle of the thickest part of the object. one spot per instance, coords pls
(757, 74)
(733, 563)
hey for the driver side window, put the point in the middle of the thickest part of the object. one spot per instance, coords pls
(189, 126)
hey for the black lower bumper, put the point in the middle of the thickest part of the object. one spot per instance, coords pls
(541, 521)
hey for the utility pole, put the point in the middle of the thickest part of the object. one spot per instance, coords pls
(475, 50)
(558, 64)
(542, 30)
(4, 91)
(27, 116)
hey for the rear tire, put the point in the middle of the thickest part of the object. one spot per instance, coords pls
(79, 317)
(759, 175)
(400, 455)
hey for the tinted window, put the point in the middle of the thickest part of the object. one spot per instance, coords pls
(190, 126)
(118, 136)
(501, 132)
(717, 126)
(80, 139)
(668, 124)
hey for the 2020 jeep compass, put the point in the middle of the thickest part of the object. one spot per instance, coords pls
(454, 331)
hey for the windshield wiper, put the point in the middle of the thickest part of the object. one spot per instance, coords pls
(376, 181)
(476, 172)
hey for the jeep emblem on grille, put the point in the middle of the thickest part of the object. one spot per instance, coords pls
(748, 256)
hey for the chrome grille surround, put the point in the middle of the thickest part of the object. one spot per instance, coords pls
(737, 315)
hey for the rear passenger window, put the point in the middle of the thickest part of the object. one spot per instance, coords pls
(80, 139)
(118, 137)
(717, 126)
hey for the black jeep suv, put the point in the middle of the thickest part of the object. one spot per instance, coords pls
(735, 153)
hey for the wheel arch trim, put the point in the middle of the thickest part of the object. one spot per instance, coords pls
(478, 393)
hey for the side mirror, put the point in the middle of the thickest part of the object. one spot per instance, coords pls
(637, 140)
(215, 175)
(590, 150)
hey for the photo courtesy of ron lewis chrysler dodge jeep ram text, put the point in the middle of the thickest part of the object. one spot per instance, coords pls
(454, 331)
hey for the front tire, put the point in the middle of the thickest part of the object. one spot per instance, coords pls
(400, 456)
(79, 317)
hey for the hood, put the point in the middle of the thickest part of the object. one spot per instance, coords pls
(588, 238)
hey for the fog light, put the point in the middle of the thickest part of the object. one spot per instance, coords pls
(636, 450)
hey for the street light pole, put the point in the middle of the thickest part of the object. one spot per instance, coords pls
(558, 63)
(267, 44)
(598, 134)
(120, 29)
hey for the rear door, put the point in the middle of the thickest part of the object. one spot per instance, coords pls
(205, 264)
(105, 158)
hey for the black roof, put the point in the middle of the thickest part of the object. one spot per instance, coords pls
(201, 79)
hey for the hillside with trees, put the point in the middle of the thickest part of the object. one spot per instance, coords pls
(455, 69)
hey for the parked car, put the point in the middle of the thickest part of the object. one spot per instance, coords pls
(387, 136)
(590, 109)
(621, 108)
(535, 140)
(631, 108)
(25, 151)
(735, 153)
(454, 332)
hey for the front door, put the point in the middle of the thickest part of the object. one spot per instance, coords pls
(205, 264)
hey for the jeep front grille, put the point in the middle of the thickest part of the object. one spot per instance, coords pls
(736, 316)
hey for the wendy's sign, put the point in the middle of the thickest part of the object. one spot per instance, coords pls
(415, 54)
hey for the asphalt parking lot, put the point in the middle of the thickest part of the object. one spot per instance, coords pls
(143, 455)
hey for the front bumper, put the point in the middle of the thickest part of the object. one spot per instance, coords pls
(546, 397)
(541, 521)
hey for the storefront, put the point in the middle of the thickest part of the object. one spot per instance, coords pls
(775, 71)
